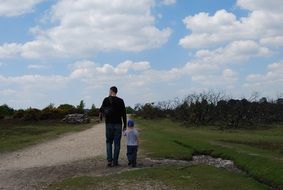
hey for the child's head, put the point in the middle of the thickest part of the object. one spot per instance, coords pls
(131, 123)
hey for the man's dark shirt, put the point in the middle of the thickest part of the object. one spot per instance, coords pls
(118, 110)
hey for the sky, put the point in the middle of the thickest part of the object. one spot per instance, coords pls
(64, 51)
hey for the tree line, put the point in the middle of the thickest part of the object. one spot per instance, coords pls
(215, 108)
(50, 112)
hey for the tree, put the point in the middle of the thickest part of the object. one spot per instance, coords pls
(129, 110)
(81, 106)
(5, 110)
(93, 111)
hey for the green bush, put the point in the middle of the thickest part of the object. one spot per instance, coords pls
(19, 114)
(5, 110)
(32, 114)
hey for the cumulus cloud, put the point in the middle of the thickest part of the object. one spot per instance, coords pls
(223, 27)
(269, 83)
(85, 78)
(9, 50)
(273, 75)
(226, 78)
(35, 66)
(84, 28)
(137, 71)
(17, 7)
(222, 39)
(270, 6)
(168, 2)
(87, 68)
(209, 64)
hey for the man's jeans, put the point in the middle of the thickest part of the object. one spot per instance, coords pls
(113, 134)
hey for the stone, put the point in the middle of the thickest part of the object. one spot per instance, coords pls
(76, 118)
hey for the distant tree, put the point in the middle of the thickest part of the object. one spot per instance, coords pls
(263, 100)
(19, 114)
(81, 106)
(51, 112)
(129, 110)
(254, 97)
(216, 109)
(93, 111)
(32, 114)
(5, 110)
(66, 108)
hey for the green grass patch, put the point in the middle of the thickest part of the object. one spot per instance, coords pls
(258, 152)
(17, 135)
(173, 177)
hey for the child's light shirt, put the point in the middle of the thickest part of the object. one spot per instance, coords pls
(131, 137)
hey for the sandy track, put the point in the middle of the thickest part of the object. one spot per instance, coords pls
(67, 156)
(71, 147)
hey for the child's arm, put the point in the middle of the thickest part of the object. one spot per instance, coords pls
(138, 141)
(137, 137)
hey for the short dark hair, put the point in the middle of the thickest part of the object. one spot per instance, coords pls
(114, 89)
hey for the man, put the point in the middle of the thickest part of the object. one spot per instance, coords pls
(114, 111)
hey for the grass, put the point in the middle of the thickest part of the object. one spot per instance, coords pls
(17, 135)
(173, 177)
(258, 152)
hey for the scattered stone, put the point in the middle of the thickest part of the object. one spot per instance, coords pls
(76, 118)
(200, 159)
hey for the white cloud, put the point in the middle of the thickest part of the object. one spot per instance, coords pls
(34, 66)
(17, 7)
(168, 2)
(269, 83)
(223, 27)
(9, 50)
(276, 41)
(213, 63)
(223, 39)
(88, 79)
(270, 5)
(137, 71)
(227, 79)
(87, 27)
(274, 75)
(87, 68)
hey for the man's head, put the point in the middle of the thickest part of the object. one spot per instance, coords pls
(113, 91)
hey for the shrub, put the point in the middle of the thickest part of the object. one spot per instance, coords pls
(214, 109)
(5, 110)
(19, 114)
(32, 114)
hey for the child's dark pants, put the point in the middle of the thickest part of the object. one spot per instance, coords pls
(132, 155)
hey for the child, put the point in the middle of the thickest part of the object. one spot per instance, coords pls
(132, 142)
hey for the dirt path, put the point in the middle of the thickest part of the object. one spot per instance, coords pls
(71, 147)
(19, 168)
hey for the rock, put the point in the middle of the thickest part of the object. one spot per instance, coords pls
(76, 118)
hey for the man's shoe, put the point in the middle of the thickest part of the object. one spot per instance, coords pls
(109, 164)
(129, 163)
(134, 164)
(116, 165)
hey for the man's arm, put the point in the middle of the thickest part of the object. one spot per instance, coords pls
(124, 115)
(101, 109)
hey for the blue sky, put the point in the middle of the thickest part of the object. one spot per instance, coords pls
(64, 51)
